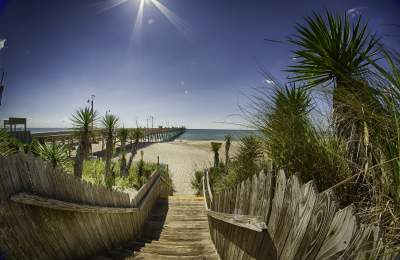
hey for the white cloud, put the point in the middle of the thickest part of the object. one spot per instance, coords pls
(186, 92)
(2, 43)
(150, 21)
(356, 11)
(268, 81)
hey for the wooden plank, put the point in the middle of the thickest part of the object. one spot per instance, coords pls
(277, 202)
(362, 244)
(301, 219)
(341, 231)
(253, 196)
(39, 201)
(245, 221)
(318, 226)
(287, 214)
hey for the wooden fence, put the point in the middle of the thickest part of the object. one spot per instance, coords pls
(271, 216)
(47, 214)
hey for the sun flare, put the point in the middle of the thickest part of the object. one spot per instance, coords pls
(181, 26)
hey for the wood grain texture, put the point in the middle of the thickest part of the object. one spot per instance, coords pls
(318, 226)
(277, 203)
(301, 218)
(244, 221)
(338, 238)
(47, 214)
(287, 214)
(302, 223)
(39, 201)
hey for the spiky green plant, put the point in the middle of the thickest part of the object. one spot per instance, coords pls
(110, 123)
(5, 148)
(215, 149)
(82, 121)
(123, 136)
(287, 128)
(55, 154)
(331, 49)
(228, 140)
(247, 161)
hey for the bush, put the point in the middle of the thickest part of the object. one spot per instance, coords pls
(197, 182)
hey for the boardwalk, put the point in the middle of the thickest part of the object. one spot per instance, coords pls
(47, 214)
(177, 228)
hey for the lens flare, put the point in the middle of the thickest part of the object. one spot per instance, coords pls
(181, 26)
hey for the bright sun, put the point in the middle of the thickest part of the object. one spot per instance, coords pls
(175, 20)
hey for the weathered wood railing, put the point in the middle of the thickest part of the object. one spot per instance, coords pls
(235, 234)
(47, 214)
(291, 218)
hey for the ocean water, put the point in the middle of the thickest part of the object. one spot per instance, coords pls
(47, 130)
(214, 134)
(190, 134)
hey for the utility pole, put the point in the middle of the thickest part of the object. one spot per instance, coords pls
(152, 121)
(91, 102)
(1, 87)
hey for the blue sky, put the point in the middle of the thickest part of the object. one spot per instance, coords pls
(193, 71)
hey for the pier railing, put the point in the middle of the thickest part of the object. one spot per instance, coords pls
(271, 216)
(47, 214)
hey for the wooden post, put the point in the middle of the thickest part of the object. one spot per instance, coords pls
(158, 160)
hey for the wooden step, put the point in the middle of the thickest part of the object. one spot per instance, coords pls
(176, 228)
(148, 256)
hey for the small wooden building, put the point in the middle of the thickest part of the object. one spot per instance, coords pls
(21, 134)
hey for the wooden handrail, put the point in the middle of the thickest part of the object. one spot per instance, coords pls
(208, 186)
(44, 202)
(245, 221)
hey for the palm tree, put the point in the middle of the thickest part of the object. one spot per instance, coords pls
(135, 135)
(55, 154)
(123, 136)
(215, 148)
(82, 121)
(109, 122)
(228, 139)
(334, 50)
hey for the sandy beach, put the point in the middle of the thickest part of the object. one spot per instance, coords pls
(183, 158)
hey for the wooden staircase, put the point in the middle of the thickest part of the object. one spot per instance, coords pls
(177, 228)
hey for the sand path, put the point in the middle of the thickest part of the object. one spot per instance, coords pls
(183, 159)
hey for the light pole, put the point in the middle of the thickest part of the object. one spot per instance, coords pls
(91, 102)
(1, 87)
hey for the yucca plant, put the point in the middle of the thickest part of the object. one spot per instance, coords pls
(247, 161)
(215, 149)
(55, 154)
(228, 140)
(82, 121)
(332, 51)
(135, 135)
(123, 136)
(110, 123)
(5, 148)
(288, 129)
